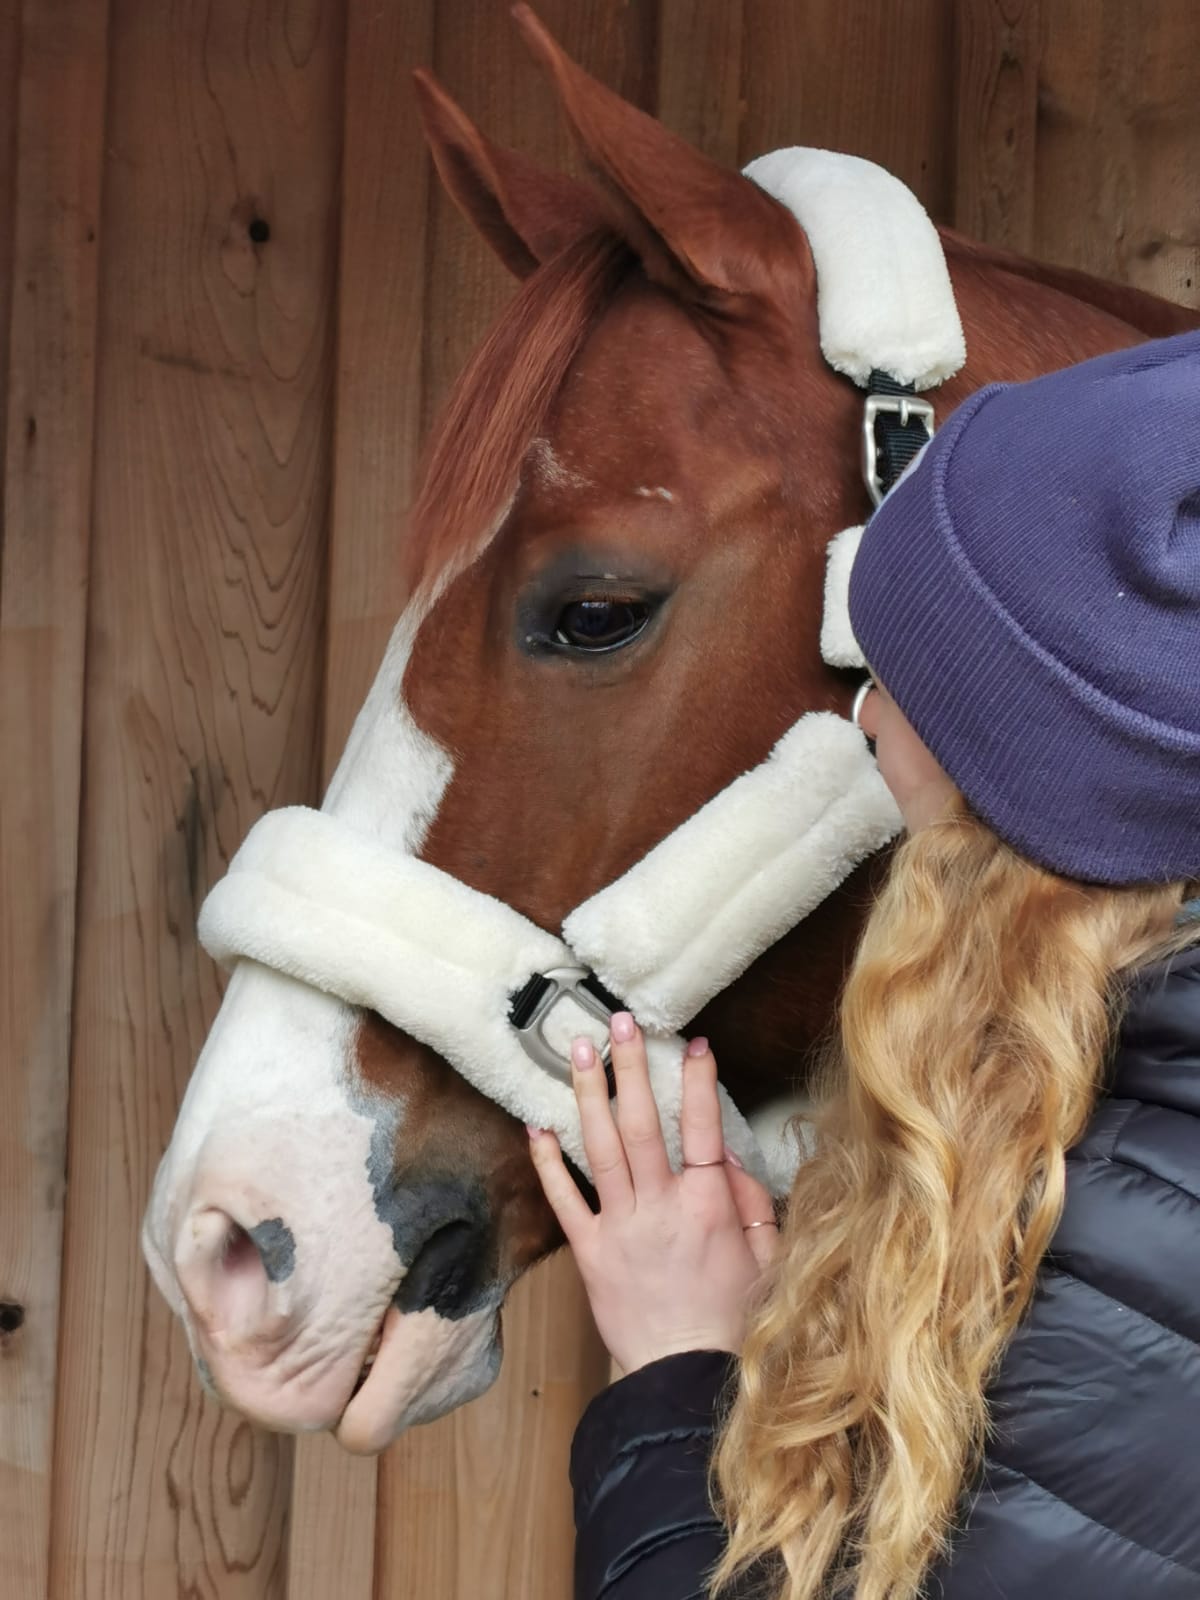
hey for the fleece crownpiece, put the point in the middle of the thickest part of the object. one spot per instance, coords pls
(1030, 596)
(884, 297)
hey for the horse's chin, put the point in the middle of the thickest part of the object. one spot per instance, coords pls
(426, 1365)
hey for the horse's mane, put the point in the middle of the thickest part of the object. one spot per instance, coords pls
(1148, 313)
(500, 403)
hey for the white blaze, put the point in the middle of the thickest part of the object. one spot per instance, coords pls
(275, 1123)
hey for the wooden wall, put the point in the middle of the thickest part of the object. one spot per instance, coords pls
(231, 299)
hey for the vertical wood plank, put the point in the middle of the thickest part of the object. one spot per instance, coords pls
(996, 84)
(10, 52)
(700, 74)
(203, 677)
(872, 80)
(381, 291)
(331, 1522)
(59, 112)
(1118, 157)
(381, 298)
(477, 1506)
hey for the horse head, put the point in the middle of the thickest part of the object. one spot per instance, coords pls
(617, 562)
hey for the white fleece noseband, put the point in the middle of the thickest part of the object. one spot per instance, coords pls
(323, 901)
(309, 896)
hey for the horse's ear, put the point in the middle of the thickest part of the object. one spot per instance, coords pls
(525, 214)
(698, 228)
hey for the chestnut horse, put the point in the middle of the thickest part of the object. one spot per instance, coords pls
(618, 559)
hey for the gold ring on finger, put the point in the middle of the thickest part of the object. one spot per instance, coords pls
(767, 1222)
(719, 1163)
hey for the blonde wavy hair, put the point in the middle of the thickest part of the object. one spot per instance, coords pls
(975, 1029)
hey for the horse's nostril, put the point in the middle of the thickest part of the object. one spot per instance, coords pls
(239, 1253)
(229, 1273)
(268, 1246)
(447, 1272)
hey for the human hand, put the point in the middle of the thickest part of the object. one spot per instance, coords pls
(670, 1258)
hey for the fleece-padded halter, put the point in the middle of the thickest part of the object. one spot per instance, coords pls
(309, 896)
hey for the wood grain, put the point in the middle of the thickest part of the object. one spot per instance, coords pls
(203, 677)
(700, 74)
(10, 53)
(996, 86)
(872, 80)
(1118, 163)
(43, 590)
(478, 1506)
(381, 297)
(381, 290)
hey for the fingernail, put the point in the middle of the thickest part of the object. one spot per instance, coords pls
(621, 1026)
(698, 1047)
(733, 1160)
(531, 1130)
(582, 1053)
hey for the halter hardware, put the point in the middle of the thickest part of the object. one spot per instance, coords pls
(884, 459)
(532, 1005)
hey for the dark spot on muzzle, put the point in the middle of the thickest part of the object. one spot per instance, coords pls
(442, 1232)
(449, 1273)
(276, 1248)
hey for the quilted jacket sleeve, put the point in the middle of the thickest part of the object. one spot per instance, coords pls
(644, 1527)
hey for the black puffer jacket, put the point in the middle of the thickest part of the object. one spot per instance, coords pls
(1091, 1488)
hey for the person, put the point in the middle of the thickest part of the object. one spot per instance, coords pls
(968, 1364)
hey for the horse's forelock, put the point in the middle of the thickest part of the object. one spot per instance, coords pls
(500, 403)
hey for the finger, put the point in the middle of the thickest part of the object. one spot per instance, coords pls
(568, 1205)
(601, 1138)
(754, 1204)
(637, 1112)
(700, 1113)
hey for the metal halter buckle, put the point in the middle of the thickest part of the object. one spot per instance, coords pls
(534, 1003)
(909, 408)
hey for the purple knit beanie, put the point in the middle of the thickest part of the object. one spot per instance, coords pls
(1029, 594)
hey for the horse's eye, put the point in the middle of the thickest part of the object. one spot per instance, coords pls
(597, 625)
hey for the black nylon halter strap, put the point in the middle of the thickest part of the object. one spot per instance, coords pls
(897, 422)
